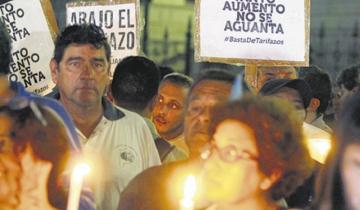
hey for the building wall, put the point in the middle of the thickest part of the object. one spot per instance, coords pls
(335, 34)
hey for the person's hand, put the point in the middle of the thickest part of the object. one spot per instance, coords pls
(9, 181)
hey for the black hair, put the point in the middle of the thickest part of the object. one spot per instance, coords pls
(214, 74)
(320, 84)
(178, 79)
(165, 70)
(81, 34)
(349, 77)
(5, 50)
(135, 82)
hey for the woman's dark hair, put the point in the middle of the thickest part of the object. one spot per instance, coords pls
(279, 139)
(5, 50)
(329, 188)
(49, 143)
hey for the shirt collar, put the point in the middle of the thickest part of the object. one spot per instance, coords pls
(110, 112)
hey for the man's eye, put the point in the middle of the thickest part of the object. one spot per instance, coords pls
(74, 64)
(174, 106)
(99, 65)
(195, 109)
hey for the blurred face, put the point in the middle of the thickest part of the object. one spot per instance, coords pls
(341, 94)
(81, 75)
(350, 173)
(269, 73)
(293, 97)
(203, 97)
(9, 167)
(168, 110)
(231, 172)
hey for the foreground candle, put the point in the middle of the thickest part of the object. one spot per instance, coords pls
(187, 203)
(76, 181)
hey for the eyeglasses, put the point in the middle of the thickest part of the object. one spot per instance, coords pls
(21, 102)
(228, 154)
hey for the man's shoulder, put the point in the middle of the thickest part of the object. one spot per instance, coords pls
(155, 187)
(131, 118)
(163, 173)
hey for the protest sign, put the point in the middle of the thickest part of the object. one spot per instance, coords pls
(119, 20)
(261, 32)
(32, 27)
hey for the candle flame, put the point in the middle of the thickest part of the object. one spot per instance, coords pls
(190, 187)
(319, 148)
(81, 170)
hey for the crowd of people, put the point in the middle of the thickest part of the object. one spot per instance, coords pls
(146, 128)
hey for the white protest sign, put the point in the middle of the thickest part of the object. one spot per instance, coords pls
(119, 20)
(32, 35)
(270, 32)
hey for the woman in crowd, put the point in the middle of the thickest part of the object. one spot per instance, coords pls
(9, 166)
(35, 150)
(258, 155)
(42, 146)
(338, 186)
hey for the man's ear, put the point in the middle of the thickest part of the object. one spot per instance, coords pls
(54, 68)
(313, 105)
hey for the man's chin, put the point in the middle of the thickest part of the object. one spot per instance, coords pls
(200, 137)
(197, 142)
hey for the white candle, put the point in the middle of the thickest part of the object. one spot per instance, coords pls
(187, 203)
(76, 181)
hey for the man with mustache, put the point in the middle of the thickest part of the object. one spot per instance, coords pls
(118, 140)
(157, 188)
(169, 109)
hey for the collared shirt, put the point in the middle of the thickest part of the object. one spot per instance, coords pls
(179, 142)
(168, 152)
(123, 143)
(119, 148)
(318, 142)
(320, 123)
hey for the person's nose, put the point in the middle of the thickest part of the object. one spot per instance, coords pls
(163, 109)
(204, 116)
(87, 71)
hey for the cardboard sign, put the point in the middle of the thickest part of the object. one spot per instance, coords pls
(262, 32)
(118, 19)
(31, 25)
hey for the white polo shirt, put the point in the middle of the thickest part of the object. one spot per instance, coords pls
(122, 147)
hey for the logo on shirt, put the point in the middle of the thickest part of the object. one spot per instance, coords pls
(127, 155)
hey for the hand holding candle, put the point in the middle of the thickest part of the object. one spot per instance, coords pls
(76, 181)
(187, 203)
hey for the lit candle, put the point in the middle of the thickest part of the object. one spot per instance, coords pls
(319, 148)
(76, 181)
(187, 203)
